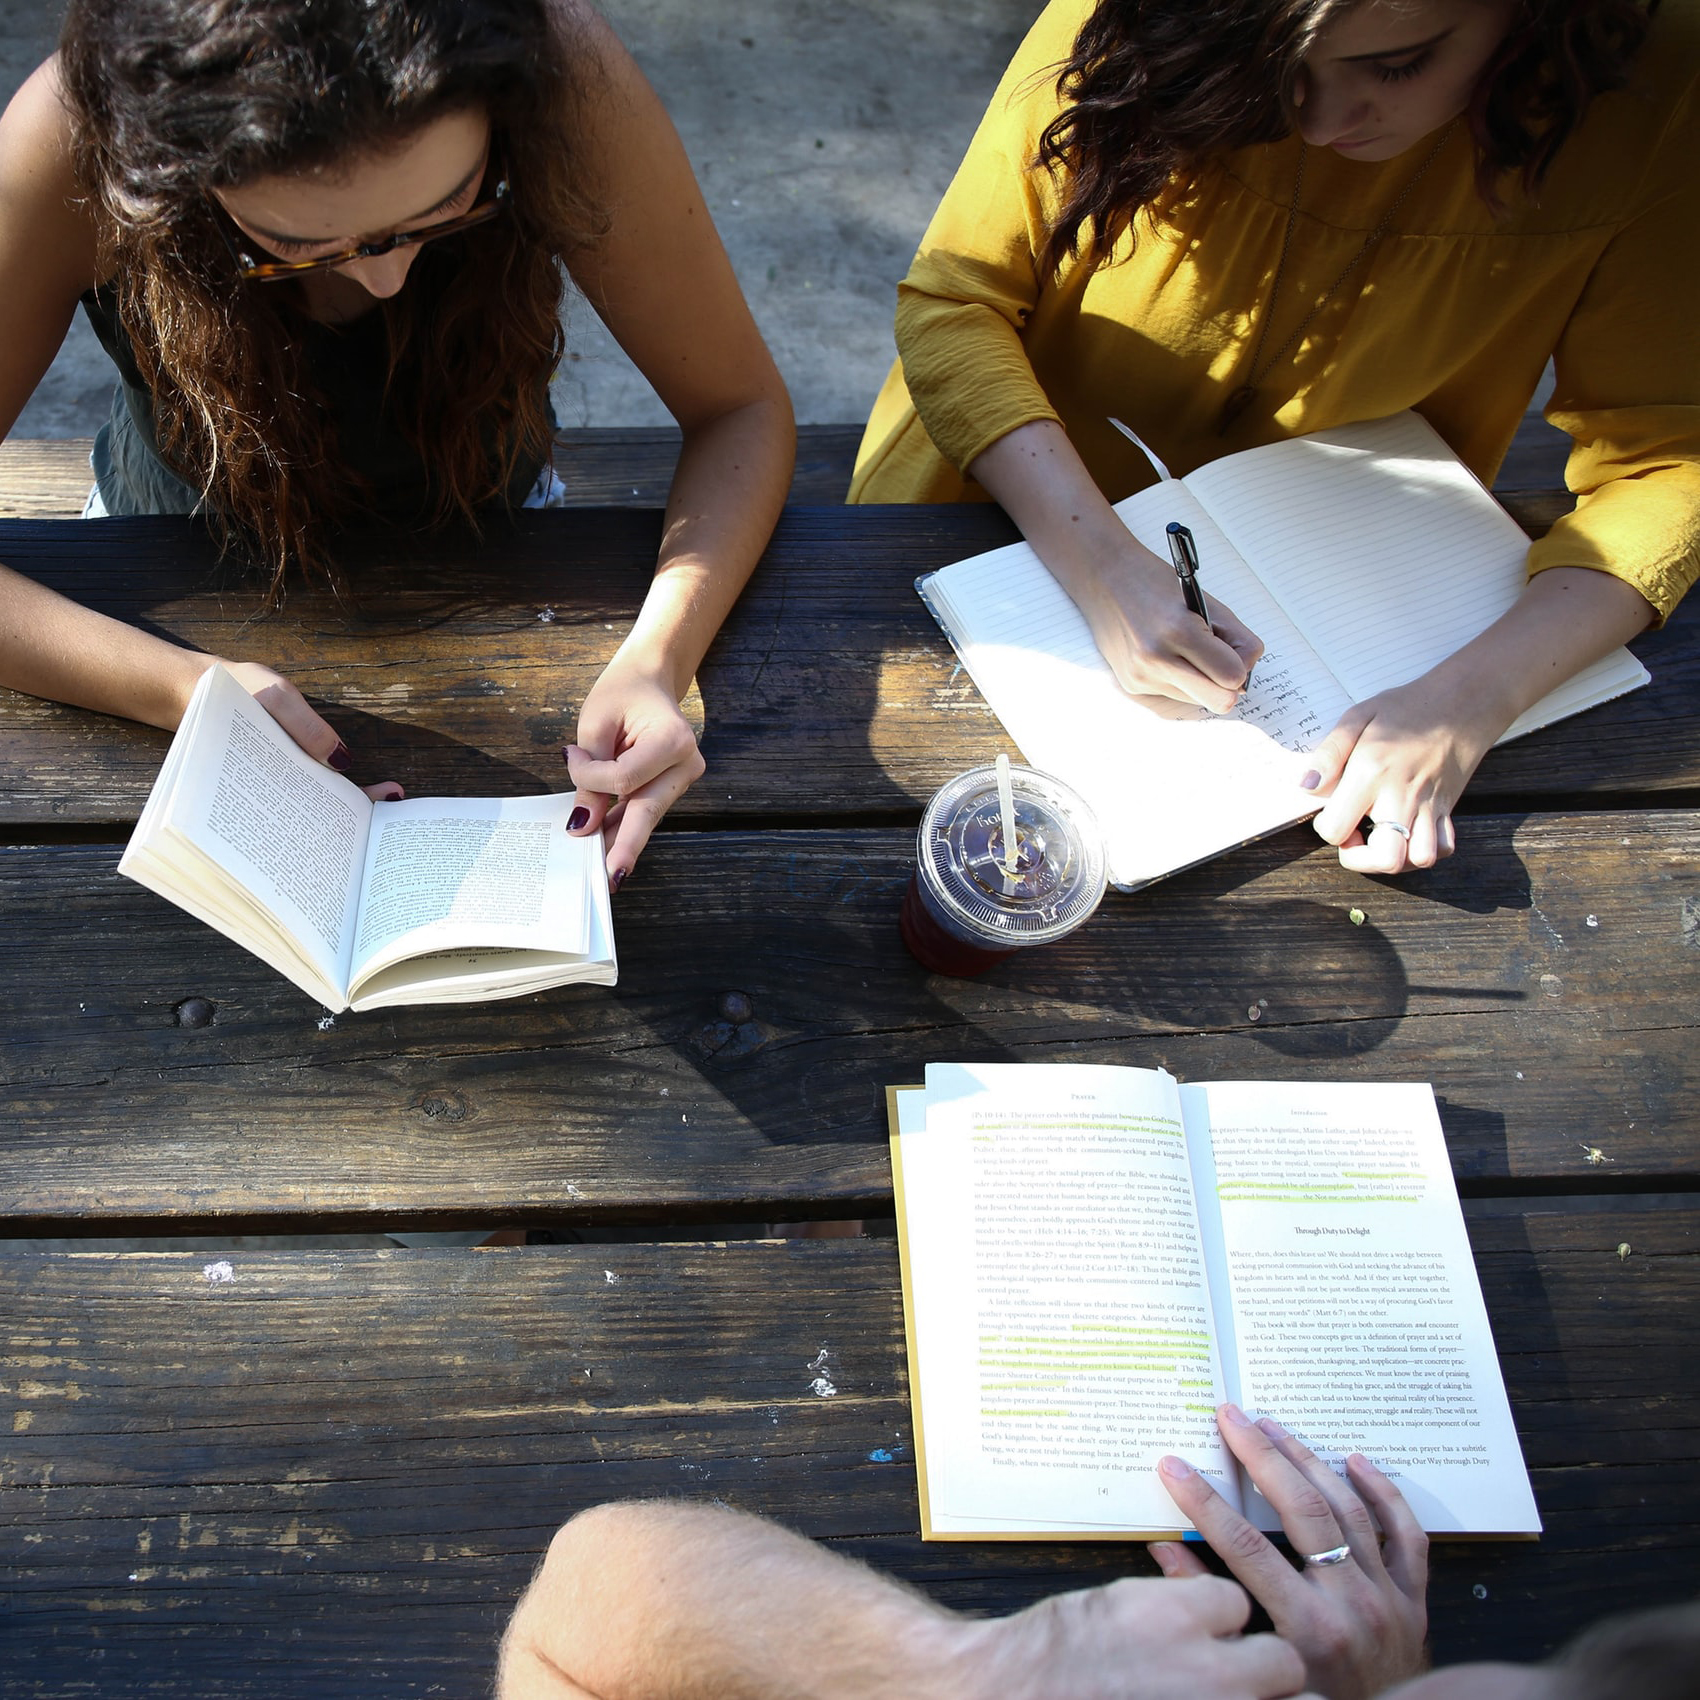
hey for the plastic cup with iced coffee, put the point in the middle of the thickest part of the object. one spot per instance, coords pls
(978, 893)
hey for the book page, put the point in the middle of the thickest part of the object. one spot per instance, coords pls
(289, 831)
(479, 974)
(1356, 1310)
(1138, 761)
(453, 873)
(1062, 1319)
(1378, 542)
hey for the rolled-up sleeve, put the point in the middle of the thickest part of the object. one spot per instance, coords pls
(976, 277)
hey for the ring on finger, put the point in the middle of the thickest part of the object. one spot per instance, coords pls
(1334, 1555)
(1393, 826)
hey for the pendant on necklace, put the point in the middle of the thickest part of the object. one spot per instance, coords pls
(1233, 407)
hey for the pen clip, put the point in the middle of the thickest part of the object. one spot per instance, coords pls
(1183, 551)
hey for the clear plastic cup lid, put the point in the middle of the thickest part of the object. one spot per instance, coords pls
(1059, 861)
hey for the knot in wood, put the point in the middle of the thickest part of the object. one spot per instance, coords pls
(736, 1008)
(442, 1106)
(193, 1012)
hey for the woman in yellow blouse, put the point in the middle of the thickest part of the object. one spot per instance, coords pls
(1233, 221)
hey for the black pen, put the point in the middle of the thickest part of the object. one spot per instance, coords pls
(1184, 553)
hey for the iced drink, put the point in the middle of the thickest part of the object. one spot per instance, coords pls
(964, 909)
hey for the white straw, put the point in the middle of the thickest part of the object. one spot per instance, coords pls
(1006, 802)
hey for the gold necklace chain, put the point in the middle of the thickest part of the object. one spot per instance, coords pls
(1246, 394)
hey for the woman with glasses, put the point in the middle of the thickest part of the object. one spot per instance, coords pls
(325, 243)
(1230, 222)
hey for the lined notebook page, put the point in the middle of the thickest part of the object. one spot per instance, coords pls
(1379, 544)
(1170, 784)
(1292, 694)
(1387, 553)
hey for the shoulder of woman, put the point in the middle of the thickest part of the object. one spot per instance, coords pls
(1642, 140)
(40, 197)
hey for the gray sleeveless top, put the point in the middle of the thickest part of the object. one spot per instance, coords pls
(349, 363)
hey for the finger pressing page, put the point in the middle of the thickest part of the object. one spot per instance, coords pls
(1305, 1514)
(309, 729)
(1270, 1578)
(1349, 1510)
(1406, 1554)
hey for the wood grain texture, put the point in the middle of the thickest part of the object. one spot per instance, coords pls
(615, 468)
(331, 1474)
(829, 694)
(1543, 980)
(632, 467)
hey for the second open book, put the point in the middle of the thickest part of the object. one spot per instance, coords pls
(1094, 1258)
(1362, 556)
(431, 900)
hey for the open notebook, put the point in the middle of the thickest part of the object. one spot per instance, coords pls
(1362, 556)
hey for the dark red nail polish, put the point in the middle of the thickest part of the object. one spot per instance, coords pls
(577, 818)
(393, 795)
(339, 758)
(616, 878)
(566, 755)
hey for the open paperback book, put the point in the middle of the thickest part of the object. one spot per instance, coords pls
(1094, 1258)
(1362, 556)
(363, 904)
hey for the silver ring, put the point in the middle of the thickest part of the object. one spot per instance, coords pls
(1393, 826)
(1334, 1555)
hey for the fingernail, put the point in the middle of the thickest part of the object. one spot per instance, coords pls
(1178, 1468)
(1310, 781)
(616, 879)
(577, 818)
(1233, 1414)
(1164, 1556)
(339, 758)
(392, 794)
(1272, 1428)
(567, 754)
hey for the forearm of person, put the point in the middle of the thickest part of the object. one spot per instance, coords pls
(1566, 618)
(52, 647)
(1036, 477)
(730, 485)
(668, 1601)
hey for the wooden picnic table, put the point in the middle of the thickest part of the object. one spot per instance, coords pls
(327, 1472)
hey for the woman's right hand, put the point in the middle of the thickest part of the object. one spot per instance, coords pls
(1155, 644)
(286, 705)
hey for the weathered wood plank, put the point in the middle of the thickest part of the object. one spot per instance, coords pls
(633, 467)
(1543, 980)
(614, 468)
(332, 1473)
(830, 694)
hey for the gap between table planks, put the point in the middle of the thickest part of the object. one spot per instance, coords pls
(1542, 980)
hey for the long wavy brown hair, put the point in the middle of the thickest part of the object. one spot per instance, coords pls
(1155, 88)
(173, 99)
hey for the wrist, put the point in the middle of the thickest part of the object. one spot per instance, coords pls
(186, 674)
(650, 661)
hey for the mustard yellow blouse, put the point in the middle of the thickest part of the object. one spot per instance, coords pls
(1457, 313)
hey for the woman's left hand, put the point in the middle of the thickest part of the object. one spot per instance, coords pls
(1360, 1625)
(1402, 759)
(635, 757)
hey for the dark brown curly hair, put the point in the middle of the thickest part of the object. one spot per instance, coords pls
(1155, 88)
(172, 99)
